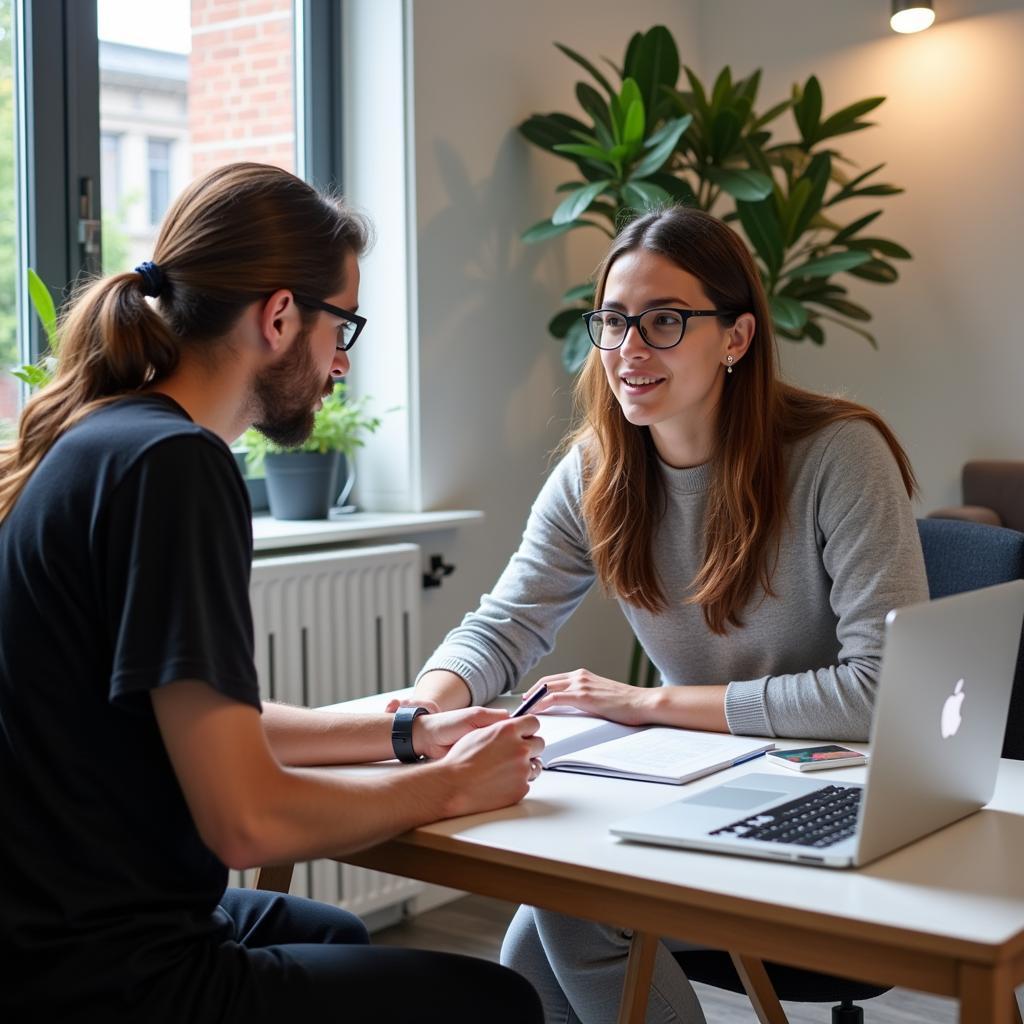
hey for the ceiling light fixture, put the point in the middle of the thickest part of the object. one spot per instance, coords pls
(911, 15)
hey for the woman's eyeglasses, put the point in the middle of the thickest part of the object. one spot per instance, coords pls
(662, 327)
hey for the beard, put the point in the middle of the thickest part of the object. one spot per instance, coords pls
(284, 395)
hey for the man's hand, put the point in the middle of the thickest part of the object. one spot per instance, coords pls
(606, 698)
(434, 735)
(493, 767)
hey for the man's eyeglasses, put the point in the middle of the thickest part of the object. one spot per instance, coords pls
(662, 327)
(353, 323)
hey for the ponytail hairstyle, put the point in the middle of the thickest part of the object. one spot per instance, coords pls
(234, 236)
(624, 498)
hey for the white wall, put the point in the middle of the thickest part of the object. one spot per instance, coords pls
(949, 373)
(493, 397)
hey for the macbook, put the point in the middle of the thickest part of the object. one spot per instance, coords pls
(940, 714)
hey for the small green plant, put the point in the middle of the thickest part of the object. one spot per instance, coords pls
(37, 375)
(340, 425)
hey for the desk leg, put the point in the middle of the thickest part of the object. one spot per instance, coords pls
(986, 996)
(637, 987)
(274, 877)
(760, 990)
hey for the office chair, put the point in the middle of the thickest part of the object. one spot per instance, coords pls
(958, 556)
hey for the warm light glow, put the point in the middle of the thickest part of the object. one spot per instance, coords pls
(913, 19)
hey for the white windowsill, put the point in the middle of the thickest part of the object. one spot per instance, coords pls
(269, 534)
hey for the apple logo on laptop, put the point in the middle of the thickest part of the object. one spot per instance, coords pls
(951, 716)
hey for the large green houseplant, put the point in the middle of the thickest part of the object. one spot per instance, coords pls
(646, 141)
(305, 482)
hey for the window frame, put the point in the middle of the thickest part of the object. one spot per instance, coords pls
(58, 150)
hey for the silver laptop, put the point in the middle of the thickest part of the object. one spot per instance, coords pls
(940, 715)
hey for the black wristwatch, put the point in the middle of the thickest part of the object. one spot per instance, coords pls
(401, 733)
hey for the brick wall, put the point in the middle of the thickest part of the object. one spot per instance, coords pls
(241, 91)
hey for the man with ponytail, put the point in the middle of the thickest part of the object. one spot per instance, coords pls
(137, 761)
(754, 534)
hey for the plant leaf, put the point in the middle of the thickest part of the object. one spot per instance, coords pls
(726, 129)
(721, 90)
(844, 306)
(876, 270)
(645, 195)
(851, 229)
(813, 331)
(762, 228)
(586, 65)
(558, 326)
(633, 129)
(851, 327)
(772, 113)
(591, 153)
(42, 303)
(833, 263)
(548, 130)
(678, 188)
(660, 151)
(745, 185)
(576, 347)
(843, 121)
(545, 229)
(817, 174)
(807, 111)
(788, 312)
(575, 203)
(655, 67)
(594, 104)
(882, 245)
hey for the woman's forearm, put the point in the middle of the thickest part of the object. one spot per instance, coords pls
(690, 707)
(446, 689)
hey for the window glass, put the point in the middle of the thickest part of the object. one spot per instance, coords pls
(186, 85)
(10, 354)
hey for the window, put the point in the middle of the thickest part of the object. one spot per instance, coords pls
(179, 87)
(158, 163)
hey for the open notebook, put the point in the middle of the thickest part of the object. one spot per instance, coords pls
(594, 746)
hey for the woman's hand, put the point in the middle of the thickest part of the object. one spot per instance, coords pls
(619, 702)
(435, 734)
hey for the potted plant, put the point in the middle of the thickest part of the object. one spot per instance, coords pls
(307, 481)
(649, 140)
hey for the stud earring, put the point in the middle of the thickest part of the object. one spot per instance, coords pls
(729, 360)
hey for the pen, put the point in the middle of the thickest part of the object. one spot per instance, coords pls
(529, 702)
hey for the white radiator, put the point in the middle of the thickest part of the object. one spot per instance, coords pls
(331, 626)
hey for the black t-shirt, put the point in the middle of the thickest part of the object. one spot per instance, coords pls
(124, 566)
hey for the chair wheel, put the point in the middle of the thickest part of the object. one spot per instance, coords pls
(847, 1013)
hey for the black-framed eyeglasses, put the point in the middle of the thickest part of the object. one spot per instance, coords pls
(661, 327)
(351, 327)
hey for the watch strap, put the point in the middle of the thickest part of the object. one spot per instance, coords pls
(401, 733)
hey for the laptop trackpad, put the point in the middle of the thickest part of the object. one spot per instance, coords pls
(733, 797)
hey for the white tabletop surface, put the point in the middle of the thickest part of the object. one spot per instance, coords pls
(965, 882)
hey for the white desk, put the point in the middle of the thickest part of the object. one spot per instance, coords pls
(944, 915)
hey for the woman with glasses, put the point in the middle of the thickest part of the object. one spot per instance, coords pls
(755, 535)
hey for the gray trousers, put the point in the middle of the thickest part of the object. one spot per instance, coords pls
(578, 969)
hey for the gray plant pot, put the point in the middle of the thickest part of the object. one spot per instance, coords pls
(302, 485)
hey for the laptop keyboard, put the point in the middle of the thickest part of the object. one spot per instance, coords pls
(819, 819)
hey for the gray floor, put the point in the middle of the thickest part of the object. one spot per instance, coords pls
(474, 925)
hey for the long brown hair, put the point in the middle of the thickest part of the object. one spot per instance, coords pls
(758, 416)
(235, 235)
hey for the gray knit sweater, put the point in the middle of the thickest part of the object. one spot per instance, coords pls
(806, 661)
